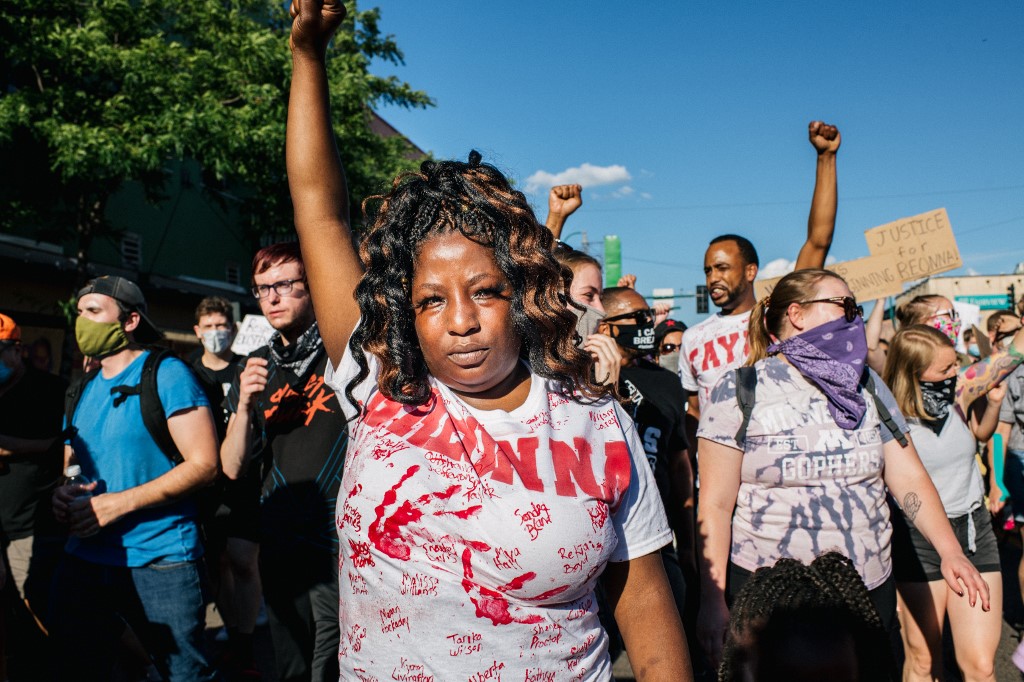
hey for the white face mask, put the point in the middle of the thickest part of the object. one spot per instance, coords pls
(217, 340)
(669, 361)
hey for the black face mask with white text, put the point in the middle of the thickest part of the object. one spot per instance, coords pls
(636, 337)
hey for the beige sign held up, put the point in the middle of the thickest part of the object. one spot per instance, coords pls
(923, 244)
(763, 287)
(871, 277)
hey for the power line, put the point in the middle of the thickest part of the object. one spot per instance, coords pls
(752, 204)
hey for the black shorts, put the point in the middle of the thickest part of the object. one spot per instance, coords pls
(231, 509)
(914, 560)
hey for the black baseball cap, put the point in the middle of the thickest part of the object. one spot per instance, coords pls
(665, 328)
(128, 293)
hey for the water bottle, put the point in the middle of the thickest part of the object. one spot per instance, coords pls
(74, 477)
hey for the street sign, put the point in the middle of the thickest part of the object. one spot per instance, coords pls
(985, 301)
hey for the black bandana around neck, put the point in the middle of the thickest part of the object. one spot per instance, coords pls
(297, 356)
(937, 396)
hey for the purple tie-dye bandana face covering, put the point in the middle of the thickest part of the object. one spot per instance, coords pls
(832, 357)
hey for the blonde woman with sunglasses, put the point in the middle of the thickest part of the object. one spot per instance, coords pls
(819, 453)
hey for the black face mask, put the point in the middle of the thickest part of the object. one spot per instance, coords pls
(937, 396)
(636, 337)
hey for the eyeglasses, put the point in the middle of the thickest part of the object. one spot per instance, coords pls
(951, 313)
(641, 317)
(850, 308)
(282, 288)
(669, 348)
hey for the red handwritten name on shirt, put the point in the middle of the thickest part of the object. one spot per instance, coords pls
(435, 429)
(727, 342)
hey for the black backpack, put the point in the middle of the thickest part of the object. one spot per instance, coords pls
(746, 389)
(152, 409)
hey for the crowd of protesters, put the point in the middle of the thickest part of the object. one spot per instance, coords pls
(459, 456)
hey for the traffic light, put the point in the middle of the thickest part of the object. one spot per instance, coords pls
(1011, 291)
(702, 298)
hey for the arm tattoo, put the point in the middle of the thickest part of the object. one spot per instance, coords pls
(911, 505)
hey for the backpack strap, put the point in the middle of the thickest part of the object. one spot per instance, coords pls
(71, 398)
(152, 408)
(746, 390)
(884, 415)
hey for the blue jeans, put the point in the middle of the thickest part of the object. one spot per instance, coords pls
(162, 602)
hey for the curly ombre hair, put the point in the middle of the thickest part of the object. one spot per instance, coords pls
(476, 200)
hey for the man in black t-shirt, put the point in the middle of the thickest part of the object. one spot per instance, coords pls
(653, 397)
(289, 423)
(31, 456)
(229, 510)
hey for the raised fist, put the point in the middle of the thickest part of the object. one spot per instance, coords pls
(563, 200)
(313, 24)
(824, 137)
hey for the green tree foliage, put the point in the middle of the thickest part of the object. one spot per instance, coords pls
(94, 93)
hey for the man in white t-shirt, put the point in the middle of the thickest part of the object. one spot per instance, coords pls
(719, 343)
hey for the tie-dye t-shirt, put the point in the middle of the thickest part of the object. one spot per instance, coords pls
(471, 540)
(807, 486)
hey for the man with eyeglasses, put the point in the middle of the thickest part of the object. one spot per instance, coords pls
(289, 423)
(654, 399)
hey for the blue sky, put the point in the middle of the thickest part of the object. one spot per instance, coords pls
(692, 117)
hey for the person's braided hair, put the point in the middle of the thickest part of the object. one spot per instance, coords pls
(477, 201)
(826, 599)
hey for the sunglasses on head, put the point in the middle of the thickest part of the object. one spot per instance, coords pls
(850, 308)
(641, 317)
(669, 348)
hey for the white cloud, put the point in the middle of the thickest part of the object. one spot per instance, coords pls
(782, 266)
(645, 195)
(971, 272)
(622, 192)
(775, 268)
(585, 174)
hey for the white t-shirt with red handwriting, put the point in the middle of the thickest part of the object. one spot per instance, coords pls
(711, 348)
(471, 540)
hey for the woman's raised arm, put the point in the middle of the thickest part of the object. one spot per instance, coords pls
(317, 180)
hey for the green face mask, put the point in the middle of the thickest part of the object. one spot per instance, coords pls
(98, 339)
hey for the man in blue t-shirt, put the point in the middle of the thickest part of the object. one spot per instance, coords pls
(134, 547)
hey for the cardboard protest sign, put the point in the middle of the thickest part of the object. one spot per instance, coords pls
(871, 277)
(923, 244)
(254, 332)
(763, 287)
(981, 338)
